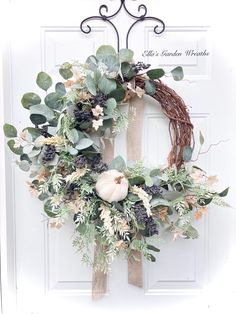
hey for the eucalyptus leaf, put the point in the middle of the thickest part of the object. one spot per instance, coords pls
(34, 153)
(24, 165)
(72, 151)
(97, 76)
(44, 81)
(127, 71)
(136, 180)
(38, 119)
(33, 132)
(90, 84)
(104, 51)
(28, 148)
(30, 99)
(52, 130)
(92, 62)
(84, 143)
(110, 106)
(118, 163)
(155, 73)
(112, 65)
(65, 73)
(187, 153)
(9, 130)
(42, 110)
(53, 100)
(118, 93)
(25, 157)
(148, 181)
(106, 85)
(157, 201)
(73, 136)
(60, 89)
(150, 87)
(65, 70)
(155, 172)
(177, 73)
(126, 55)
(15, 150)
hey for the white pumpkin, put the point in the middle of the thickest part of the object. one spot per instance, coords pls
(112, 186)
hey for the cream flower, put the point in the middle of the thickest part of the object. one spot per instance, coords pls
(54, 140)
(97, 124)
(78, 205)
(97, 111)
(143, 197)
(106, 217)
(76, 175)
(138, 91)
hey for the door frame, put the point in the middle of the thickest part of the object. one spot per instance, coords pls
(7, 221)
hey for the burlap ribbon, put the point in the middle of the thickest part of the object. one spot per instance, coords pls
(134, 153)
(99, 280)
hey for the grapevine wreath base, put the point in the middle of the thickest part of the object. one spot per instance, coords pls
(117, 207)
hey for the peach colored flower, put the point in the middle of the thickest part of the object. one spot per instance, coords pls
(198, 215)
(191, 200)
(212, 180)
(69, 83)
(198, 176)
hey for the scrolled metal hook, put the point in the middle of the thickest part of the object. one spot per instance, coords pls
(106, 18)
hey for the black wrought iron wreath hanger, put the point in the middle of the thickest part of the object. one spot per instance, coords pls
(158, 29)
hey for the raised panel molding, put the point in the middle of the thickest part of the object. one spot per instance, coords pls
(60, 44)
(181, 39)
(182, 266)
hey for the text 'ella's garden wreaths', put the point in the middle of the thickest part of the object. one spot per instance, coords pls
(118, 207)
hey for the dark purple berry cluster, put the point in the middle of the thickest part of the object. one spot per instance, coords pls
(82, 116)
(95, 163)
(49, 153)
(99, 99)
(70, 191)
(152, 190)
(81, 162)
(142, 218)
(140, 66)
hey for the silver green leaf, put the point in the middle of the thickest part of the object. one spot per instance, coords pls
(106, 85)
(30, 99)
(126, 55)
(84, 143)
(9, 130)
(44, 81)
(90, 84)
(104, 51)
(177, 73)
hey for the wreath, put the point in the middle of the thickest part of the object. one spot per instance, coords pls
(120, 207)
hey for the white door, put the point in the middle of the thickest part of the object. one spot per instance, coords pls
(45, 272)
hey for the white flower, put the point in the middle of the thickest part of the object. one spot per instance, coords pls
(97, 124)
(97, 111)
